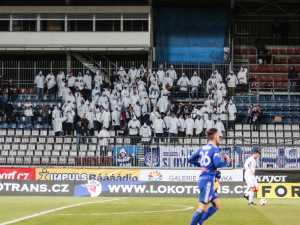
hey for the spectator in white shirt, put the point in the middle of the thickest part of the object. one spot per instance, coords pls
(145, 133)
(242, 78)
(183, 82)
(172, 73)
(195, 82)
(98, 79)
(220, 127)
(51, 82)
(40, 82)
(71, 82)
(232, 82)
(28, 112)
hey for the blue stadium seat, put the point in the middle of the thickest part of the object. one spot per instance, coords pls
(19, 105)
(22, 119)
(294, 107)
(237, 98)
(45, 97)
(254, 99)
(294, 114)
(21, 125)
(286, 120)
(20, 98)
(52, 98)
(37, 126)
(293, 98)
(269, 98)
(270, 120)
(4, 126)
(13, 126)
(278, 107)
(28, 126)
(286, 113)
(277, 98)
(295, 120)
(270, 106)
(246, 99)
(34, 98)
(45, 126)
(285, 98)
(285, 107)
(245, 120)
(262, 98)
(27, 97)
(278, 113)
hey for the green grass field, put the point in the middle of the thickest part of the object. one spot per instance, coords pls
(146, 211)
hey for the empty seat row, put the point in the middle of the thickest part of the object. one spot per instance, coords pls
(269, 69)
(269, 127)
(277, 84)
(268, 77)
(282, 51)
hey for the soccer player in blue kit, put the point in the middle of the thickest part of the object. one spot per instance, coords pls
(208, 159)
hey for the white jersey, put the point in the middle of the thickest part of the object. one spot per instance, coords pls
(250, 165)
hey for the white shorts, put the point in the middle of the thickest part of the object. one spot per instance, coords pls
(251, 180)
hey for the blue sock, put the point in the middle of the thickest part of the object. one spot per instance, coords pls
(210, 211)
(197, 217)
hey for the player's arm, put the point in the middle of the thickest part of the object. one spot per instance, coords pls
(217, 161)
(194, 159)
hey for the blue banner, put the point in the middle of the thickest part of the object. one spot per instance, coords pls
(190, 35)
(125, 155)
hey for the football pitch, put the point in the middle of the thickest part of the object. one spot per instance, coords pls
(146, 211)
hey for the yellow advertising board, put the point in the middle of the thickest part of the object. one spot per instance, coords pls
(279, 190)
(87, 174)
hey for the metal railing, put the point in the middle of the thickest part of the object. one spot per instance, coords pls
(131, 152)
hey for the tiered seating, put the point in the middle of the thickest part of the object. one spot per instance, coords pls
(272, 105)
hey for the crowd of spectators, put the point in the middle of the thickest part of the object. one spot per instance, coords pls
(138, 102)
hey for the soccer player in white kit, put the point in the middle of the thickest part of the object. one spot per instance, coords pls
(250, 179)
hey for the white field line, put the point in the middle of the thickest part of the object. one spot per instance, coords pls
(141, 212)
(53, 210)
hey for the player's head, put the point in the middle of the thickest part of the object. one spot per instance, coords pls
(256, 154)
(213, 136)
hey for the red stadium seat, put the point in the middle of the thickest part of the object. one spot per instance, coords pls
(245, 51)
(238, 51)
(297, 68)
(22, 90)
(277, 77)
(297, 51)
(276, 69)
(276, 60)
(268, 69)
(297, 60)
(282, 51)
(275, 51)
(269, 77)
(290, 51)
(30, 91)
(252, 77)
(253, 51)
(260, 77)
(253, 68)
(284, 84)
(283, 60)
(16, 90)
(252, 60)
(291, 60)
(261, 69)
(283, 69)
(283, 77)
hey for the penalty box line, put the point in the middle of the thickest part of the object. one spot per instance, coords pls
(54, 210)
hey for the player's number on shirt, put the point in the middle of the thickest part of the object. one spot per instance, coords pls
(205, 159)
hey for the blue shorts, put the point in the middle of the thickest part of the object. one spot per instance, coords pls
(206, 188)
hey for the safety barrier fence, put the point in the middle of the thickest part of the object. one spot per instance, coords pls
(127, 152)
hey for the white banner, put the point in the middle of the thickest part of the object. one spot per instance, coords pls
(187, 175)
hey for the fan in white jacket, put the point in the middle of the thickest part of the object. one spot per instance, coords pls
(163, 104)
(158, 125)
(154, 115)
(105, 120)
(96, 94)
(160, 75)
(60, 77)
(103, 136)
(121, 72)
(116, 117)
(209, 123)
(205, 111)
(81, 108)
(167, 120)
(183, 82)
(51, 81)
(66, 92)
(222, 87)
(90, 116)
(39, 80)
(132, 73)
(231, 111)
(141, 71)
(174, 125)
(103, 101)
(242, 76)
(134, 98)
(218, 76)
(189, 126)
(209, 102)
(232, 80)
(172, 73)
(28, 109)
(125, 92)
(199, 125)
(87, 79)
(168, 80)
(195, 81)
(137, 110)
(71, 80)
(220, 127)
(70, 99)
(57, 124)
(56, 113)
(79, 81)
(145, 133)
(134, 126)
(153, 96)
(223, 110)
(98, 79)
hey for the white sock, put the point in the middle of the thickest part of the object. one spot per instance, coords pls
(247, 192)
(251, 195)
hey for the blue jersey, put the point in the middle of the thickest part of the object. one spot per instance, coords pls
(208, 159)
